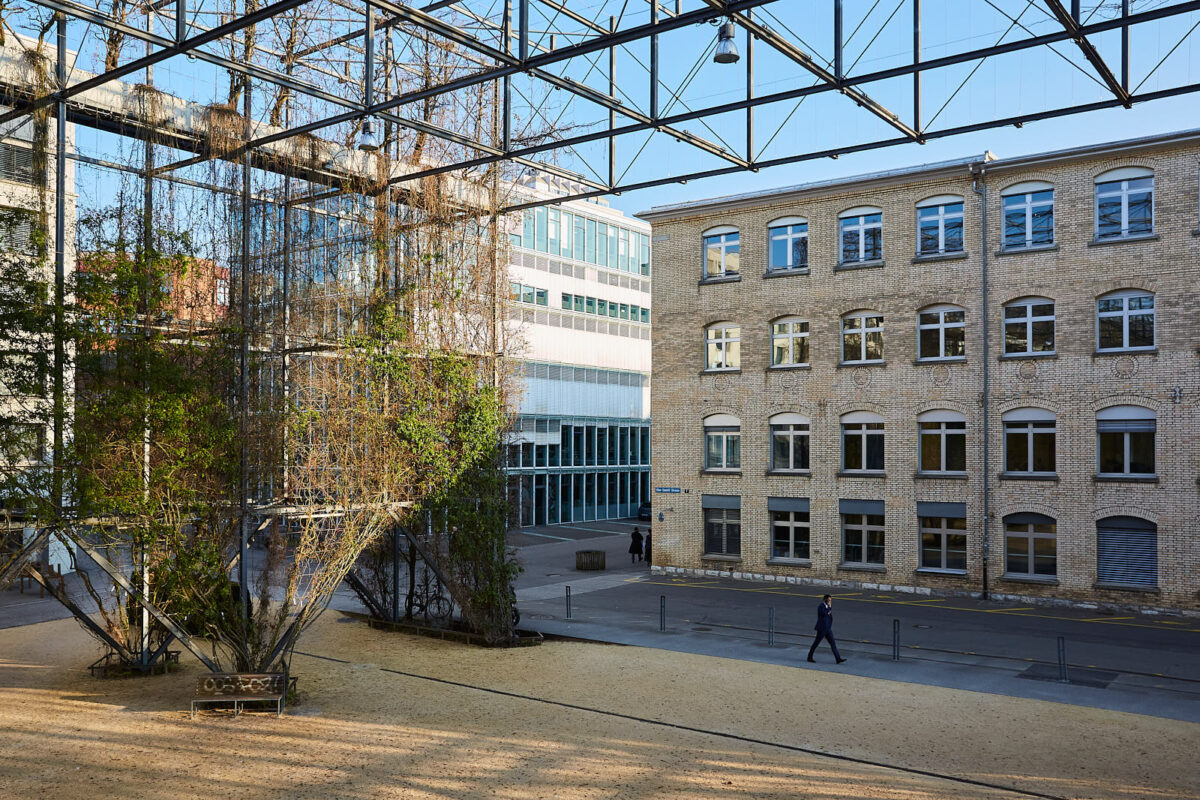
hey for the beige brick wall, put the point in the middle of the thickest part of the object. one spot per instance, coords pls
(1074, 384)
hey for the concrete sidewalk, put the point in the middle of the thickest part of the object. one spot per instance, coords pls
(1145, 665)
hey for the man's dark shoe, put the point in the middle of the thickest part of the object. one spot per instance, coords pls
(840, 660)
(813, 660)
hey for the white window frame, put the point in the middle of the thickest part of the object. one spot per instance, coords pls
(943, 532)
(793, 339)
(723, 239)
(793, 427)
(729, 333)
(1116, 183)
(941, 203)
(855, 425)
(854, 220)
(788, 230)
(1026, 322)
(941, 326)
(937, 424)
(860, 526)
(1134, 417)
(728, 430)
(1029, 422)
(725, 518)
(1125, 295)
(862, 331)
(1025, 191)
(792, 522)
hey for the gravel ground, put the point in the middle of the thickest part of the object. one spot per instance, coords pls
(563, 720)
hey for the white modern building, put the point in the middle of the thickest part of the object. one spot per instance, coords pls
(580, 310)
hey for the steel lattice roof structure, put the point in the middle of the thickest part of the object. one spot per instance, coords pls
(615, 71)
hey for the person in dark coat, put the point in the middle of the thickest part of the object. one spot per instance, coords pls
(635, 546)
(824, 629)
(647, 546)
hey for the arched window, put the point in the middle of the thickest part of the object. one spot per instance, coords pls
(862, 442)
(1028, 215)
(787, 240)
(789, 342)
(1029, 326)
(722, 442)
(943, 442)
(723, 346)
(861, 231)
(722, 248)
(789, 442)
(940, 225)
(1126, 552)
(1125, 203)
(941, 333)
(1030, 545)
(862, 337)
(1125, 320)
(1125, 441)
(1029, 441)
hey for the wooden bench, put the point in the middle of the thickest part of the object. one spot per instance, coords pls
(240, 688)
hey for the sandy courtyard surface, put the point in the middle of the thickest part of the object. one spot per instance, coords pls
(563, 720)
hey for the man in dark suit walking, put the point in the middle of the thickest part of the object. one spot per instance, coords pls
(824, 629)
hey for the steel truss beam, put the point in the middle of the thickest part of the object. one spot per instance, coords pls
(1070, 23)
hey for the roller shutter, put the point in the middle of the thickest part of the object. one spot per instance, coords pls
(1127, 551)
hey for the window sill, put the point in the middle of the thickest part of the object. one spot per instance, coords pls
(862, 567)
(1020, 356)
(1141, 237)
(1047, 580)
(1036, 248)
(788, 367)
(721, 557)
(920, 362)
(785, 273)
(847, 364)
(1126, 351)
(790, 473)
(953, 573)
(790, 562)
(848, 266)
(1125, 479)
(720, 279)
(1028, 476)
(736, 371)
(863, 474)
(1126, 587)
(935, 257)
(736, 472)
(944, 476)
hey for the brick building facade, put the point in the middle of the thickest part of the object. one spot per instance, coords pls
(855, 386)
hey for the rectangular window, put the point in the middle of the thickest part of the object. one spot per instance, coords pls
(1031, 549)
(789, 535)
(723, 447)
(941, 334)
(944, 543)
(788, 246)
(602, 308)
(578, 300)
(862, 238)
(552, 216)
(789, 447)
(1029, 327)
(1029, 446)
(566, 301)
(25, 444)
(541, 297)
(1125, 208)
(1029, 219)
(602, 244)
(862, 538)
(723, 531)
(579, 238)
(645, 316)
(721, 254)
(1125, 447)
(862, 338)
(540, 217)
(940, 229)
(862, 447)
(789, 343)
(723, 348)
(1125, 322)
(590, 305)
(590, 250)
(943, 446)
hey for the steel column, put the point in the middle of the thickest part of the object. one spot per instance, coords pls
(1125, 48)
(60, 267)
(916, 63)
(612, 115)
(244, 374)
(837, 40)
(750, 90)
(1069, 23)
(653, 62)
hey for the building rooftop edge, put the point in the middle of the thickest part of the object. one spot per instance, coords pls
(696, 207)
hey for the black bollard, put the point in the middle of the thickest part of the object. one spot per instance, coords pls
(662, 613)
(568, 601)
(1063, 677)
(771, 626)
(895, 640)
